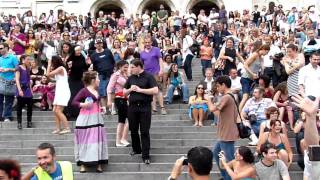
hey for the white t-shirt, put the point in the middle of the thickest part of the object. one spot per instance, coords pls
(146, 20)
(235, 83)
(312, 169)
(267, 61)
(310, 79)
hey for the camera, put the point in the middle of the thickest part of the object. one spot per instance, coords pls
(278, 56)
(252, 118)
(185, 161)
(314, 152)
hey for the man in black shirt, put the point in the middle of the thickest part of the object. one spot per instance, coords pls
(141, 87)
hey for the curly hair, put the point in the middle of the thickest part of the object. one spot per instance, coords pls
(11, 168)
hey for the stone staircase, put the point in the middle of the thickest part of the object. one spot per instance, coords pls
(172, 136)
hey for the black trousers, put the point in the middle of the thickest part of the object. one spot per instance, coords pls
(139, 116)
(187, 66)
(122, 107)
(22, 101)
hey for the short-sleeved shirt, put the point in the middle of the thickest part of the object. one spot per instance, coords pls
(9, 61)
(258, 108)
(151, 60)
(56, 175)
(24, 82)
(309, 77)
(227, 127)
(274, 172)
(18, 48)
(145, 81)
(162, 13)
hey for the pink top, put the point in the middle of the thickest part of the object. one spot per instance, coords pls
(116, 83)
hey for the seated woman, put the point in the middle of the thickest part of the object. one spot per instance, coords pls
(166, 68)
(176, 83)
(264, 82)
(198, 106)
(36, 72)
(281, 98)
(280, 140)
(45, 90)
(272, 114)
(242, 166)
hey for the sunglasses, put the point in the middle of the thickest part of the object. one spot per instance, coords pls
(199, 87)
(1, 48)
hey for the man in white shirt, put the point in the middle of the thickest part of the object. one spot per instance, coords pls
(268, 60)
(235, 84)
(50, 19)
(190, 18)
(311, 45)
(309, 77)
(146, 19)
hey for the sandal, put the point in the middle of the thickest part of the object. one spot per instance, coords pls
(57, 131)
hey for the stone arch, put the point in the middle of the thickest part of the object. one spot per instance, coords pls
(155, 4)
(204, 4)
(109, 5)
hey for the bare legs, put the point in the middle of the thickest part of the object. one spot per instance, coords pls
(122, 133)
(198, 116)
(59, 118)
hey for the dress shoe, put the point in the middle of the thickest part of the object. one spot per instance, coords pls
(29, 124)
(19, 126)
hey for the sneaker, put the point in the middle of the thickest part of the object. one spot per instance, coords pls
(29, 124)
(163, 111)
(57, 131)
(7, 120)
(124, 142)
(65, 131)
(120, 145)
(113, 112)
(19, 126)
(146, 161)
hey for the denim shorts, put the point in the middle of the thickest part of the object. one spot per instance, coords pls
(246, 84)
(103, 85)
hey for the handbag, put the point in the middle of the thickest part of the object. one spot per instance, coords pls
(8, 87)
(244, 131)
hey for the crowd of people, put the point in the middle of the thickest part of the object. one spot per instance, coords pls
(260, 68)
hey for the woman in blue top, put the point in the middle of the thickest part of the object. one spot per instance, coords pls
(24, 93)
(241, 167)
(176, 80)
(280, 140)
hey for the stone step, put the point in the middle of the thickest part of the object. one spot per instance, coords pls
(170, 110)
(48, 124)
(114, 117)
(112, 150)
(167, 135)
(136, 165)
(111, 143)
(157, 175)
(154, 129)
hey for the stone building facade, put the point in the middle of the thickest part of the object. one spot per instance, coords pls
(129, 7)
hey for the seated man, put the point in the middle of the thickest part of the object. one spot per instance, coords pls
(198, 161)
(269, 167)
(208, 81)
(235, 84)
(254, 112)
(48, 167)
(310, 46)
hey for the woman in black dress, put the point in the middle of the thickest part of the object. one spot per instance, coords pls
(76, 66)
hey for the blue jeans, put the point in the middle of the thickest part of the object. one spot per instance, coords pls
(178, 60)
(205, 64)
(184, 89)
(6, 103)
(104, 81)
(228, 148)
(256, 127)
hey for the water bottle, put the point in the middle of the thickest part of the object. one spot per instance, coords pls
(90, 101)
